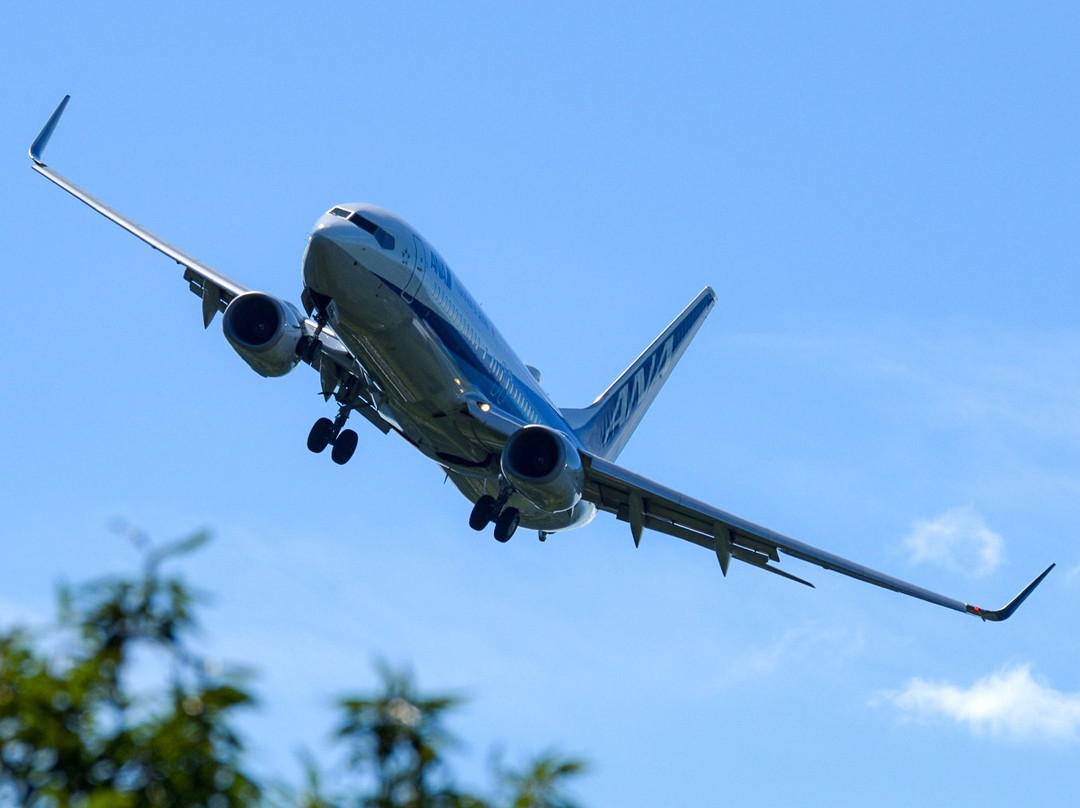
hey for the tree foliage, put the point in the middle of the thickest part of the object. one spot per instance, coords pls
(75, 731)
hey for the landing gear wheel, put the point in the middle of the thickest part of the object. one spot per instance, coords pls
(344, 446)
(506, 524)
(482, 512)
(320, 435)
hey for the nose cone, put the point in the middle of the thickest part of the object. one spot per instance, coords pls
(335, 228)
(327, 253)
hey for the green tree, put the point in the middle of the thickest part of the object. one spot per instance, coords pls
(541, 783)
(74, 732)
(396, 739)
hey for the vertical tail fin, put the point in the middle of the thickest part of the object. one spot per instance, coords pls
(605, 426)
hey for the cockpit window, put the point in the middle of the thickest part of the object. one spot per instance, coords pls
(386, 241)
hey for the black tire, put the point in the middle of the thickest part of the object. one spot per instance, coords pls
(344, 446)
(481, 512)
(506, 524)
(320, 435)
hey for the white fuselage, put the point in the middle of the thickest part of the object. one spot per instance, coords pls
(431, 349)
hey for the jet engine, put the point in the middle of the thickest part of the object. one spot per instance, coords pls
(265, 331)
(544, 467)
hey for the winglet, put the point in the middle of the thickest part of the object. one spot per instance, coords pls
(42, 140)
(1014, 604)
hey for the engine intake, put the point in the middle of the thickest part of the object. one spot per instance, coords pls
(544, 467)
(265, 331)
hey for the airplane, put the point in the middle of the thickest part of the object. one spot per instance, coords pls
(397, 339)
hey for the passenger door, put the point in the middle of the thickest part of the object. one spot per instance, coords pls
(417, 277)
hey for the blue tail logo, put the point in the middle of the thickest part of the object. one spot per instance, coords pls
(606, 425)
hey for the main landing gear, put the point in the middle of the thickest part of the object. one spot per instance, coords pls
(488, 509)
(330, 433)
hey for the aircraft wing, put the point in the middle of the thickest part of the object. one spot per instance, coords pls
(207, 280)
(215, 289)
(645, 504)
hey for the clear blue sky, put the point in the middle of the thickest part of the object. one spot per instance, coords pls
(887, 203)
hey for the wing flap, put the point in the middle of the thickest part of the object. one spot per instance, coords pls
(646, 504)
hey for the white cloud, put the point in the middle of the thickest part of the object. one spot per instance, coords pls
(1009, 704)
(793, 648)
(1072, 576)
(958, 539)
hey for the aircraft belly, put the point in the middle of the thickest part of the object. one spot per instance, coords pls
(417, 380)
(397, 349)
(424, 390)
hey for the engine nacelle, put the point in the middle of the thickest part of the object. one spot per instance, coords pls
(264, 331)
(544, 467)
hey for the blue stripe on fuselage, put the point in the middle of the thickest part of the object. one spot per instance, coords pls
(497, 383)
